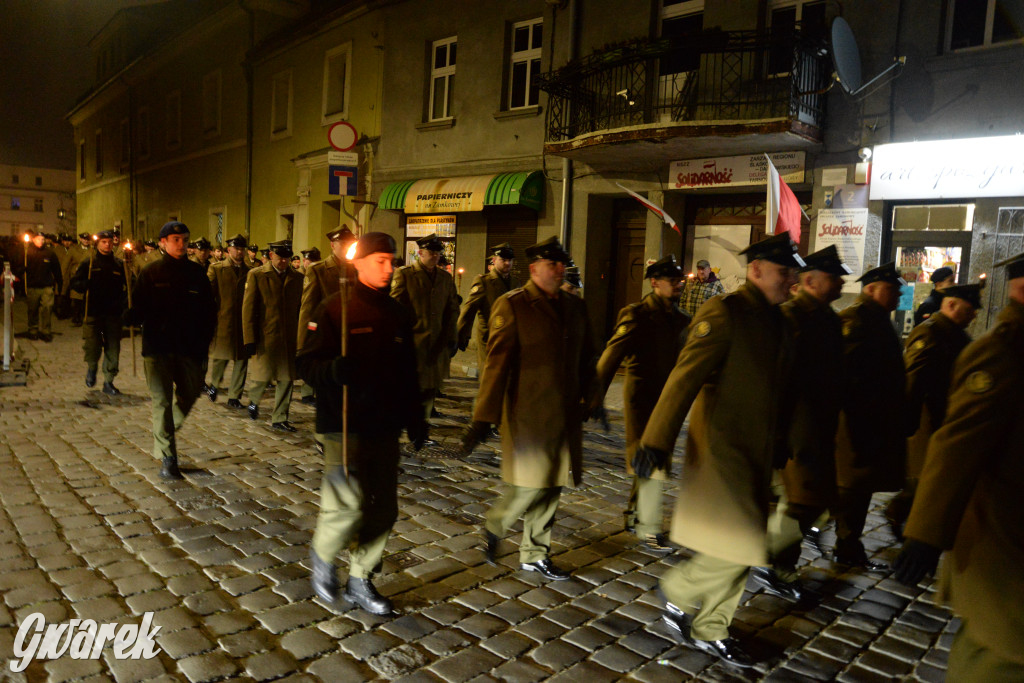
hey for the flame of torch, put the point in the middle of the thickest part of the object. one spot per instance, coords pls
(27, 238)
(127, 246)
(351, 253)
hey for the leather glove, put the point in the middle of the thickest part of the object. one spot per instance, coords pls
(648, 459)
(250, 350)
(917, 559)
(340, 368)
(418, 432)
(476, 434)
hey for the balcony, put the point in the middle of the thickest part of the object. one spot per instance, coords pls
(642, 104)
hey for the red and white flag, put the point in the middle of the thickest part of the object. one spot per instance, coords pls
(783, 211)
(651, 206)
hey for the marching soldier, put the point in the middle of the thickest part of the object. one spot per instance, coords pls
(76, 255)
(227, 280)
(62, 304)
(941, 278)
(359, 499)
(217, 255)
(871, 443)
(484, 291)
(173, 303)
(538, 378)
(202, 253)
(270, 316)
(968, 500)
(428, 292)
(252, 254)
(647, 340)
(733, 371)
(42, 274)
(101, 279)
(809, 476)
(150, 252)
(931, 351)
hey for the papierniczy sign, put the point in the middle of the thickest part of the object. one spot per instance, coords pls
(748, 169)
(82, 639)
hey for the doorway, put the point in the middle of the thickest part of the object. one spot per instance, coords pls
(629, 231)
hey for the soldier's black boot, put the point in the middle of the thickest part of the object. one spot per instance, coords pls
(491, 549)
(362, 593)
(110, 389)
(254, 411)
(324, 578)
(211, 392)
(90, 378)
(170, 469)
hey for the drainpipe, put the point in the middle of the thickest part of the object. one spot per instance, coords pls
(567, 169)
(249, 95)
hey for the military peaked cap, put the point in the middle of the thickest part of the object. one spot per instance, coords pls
(550, 249)
(237, 241)
(572, 276)
(430, 242)
(84, 235)
(150, 243)
(827, 261)
(282, 248)
(664, 267)
(173, 228)
(203, 243)
(253, 247)
(778, 249)
(1014, 266)
(969, 293)
(374, 242)
(341, 233)
(503, 250)
(313, 254)
(884, 273)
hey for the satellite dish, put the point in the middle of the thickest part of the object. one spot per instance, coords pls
(846, 59)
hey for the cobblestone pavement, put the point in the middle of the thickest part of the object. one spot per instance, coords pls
(88, 530)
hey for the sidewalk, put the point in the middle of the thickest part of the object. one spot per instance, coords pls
(88, 530)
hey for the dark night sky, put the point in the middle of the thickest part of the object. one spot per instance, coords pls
(45, 65)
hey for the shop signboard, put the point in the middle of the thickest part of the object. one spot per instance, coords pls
(465, 193)
(969, 168)
(846, 229)
(747, 169)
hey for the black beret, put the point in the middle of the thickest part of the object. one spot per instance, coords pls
(237, 241)
(375, 242)
(969, 293)
(884, 273)
(430, 242)
(341, 233)
(827, 261)
(313, 254)
(282, 248)
(550, 249)
(778, 249)
(943, 273)
(503, 250)
(1014, 266)
(173, 228)
(105, 235)
(664, 267)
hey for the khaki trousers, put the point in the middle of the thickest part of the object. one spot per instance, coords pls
(537, 508)
(708, 588)
(785, 536)
(357, 511)
(102, 334)
(282, 398)
(972, 662)
(174, 383)
(218, 366)
(306, 390)
(644, 509)
(40, 306)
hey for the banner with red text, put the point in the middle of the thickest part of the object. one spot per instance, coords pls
(747, 169)
(846, 229)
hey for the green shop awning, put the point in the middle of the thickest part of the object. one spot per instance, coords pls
(464, 193)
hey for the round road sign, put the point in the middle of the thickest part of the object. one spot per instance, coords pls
(342, 136)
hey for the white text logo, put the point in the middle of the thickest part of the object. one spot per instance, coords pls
(82, 639)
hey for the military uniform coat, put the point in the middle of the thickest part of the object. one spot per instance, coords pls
(69, 263)
(816, 391)
(319, 283)
(538, 377)
(435, 311)
(228, 283)
(647, 340)
(270, 316)
(931, 351)
(732, 371)
(872, 439)
(483, 293)
(968, 499)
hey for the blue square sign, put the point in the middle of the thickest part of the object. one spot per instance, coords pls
(341, 180)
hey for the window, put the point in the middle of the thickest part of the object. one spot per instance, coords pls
(81, 159)
(806, 17)
(217, 224)
(143, 132)
(981, 23)
(126, 144)
(38, 205)
(526, 45)
(99, 153)
(337, 68)
(173, 120)
(281, 105)
(442, 78)
(39, 181)
(681, 20)
(15, 204)
(211, 103)
(14, 178)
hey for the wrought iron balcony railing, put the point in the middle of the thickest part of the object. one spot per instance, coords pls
(715, 77)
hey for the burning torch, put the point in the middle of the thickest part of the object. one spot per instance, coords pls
(458, 279)
(128, 286)
(344, 291)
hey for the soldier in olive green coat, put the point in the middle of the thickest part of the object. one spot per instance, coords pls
(270, 316)
(428, 292)
(70, 263)
(228, 277)
(733, 371)
(648, 337)
(968, 500)
(871, 442)
(483, 293)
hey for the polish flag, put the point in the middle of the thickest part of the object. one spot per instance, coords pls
(651, 206)
(783, 210)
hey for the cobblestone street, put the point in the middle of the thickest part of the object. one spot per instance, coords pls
(88, 530)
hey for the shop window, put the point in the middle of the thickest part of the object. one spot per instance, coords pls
(442, 78)
(933, 217)
(211, 103)
(981, 23)
(281, 105)
(99, 153)
(527, 37)
(38, 205)
(337, 72)
(173, 120)
(143, 132)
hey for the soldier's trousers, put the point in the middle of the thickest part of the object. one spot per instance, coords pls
(77, 309)
(306, 390)
(709, 589)
(282, 398)
(218, 366)
(174, 383)
(971, 662)
(850, 513)
(537, 508)
(40, 306)
(644, 509)
(357, 511)
(785, 536)
(102, 334)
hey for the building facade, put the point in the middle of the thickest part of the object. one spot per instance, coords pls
(36, 199)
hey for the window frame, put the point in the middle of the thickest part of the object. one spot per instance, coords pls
(172, 133)
(37, 204)
(446, 72)
(213, 83)
(328, 118)
(987, 44)
(526, 56)
(275, 79)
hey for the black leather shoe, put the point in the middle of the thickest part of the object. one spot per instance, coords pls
(677, 620)
(32, 335)
(283, 427)
(856, 557)
(546, 568)
(324, 579)
(234, 403)
(211, 392)
(254, 411)
(728, 650)
(46, 337)
(308, 400)
(90, 378)
(362, 593)
(491, 547)
(434, 413)
(768, 579)
(110, 390)
(170, 469)
(658, 543)
(813, 538)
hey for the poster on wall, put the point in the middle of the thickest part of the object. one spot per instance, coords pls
(720, 245)
(846, 229)
(420, 226)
